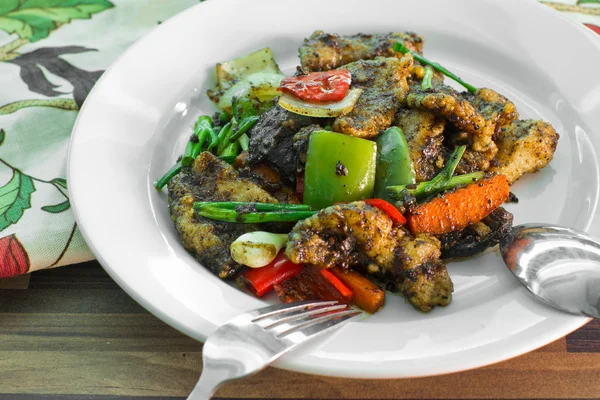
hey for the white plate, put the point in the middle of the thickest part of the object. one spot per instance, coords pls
(138, 117)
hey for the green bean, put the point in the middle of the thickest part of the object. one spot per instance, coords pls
(220, 214)
(175, 169)
(232, 205)
(244, 126)
(417, 190)
(399, 47)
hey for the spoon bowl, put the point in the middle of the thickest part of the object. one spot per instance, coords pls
(560, 266)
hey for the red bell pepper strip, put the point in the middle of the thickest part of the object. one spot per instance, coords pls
(261, 280)
(318, 86)
(338, 284)
(389, 209)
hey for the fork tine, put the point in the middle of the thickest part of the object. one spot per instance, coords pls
(312, 325)
(290, 307)
(298, 315)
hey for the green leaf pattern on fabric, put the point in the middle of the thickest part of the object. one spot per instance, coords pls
(33, 20)
(60, 181)
(57, 208)
(588, 1)
(15, 198)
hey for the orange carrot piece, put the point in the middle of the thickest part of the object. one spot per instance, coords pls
(457, 210)
(367, 295)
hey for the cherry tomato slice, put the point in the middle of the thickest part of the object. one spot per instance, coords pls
(318, 86)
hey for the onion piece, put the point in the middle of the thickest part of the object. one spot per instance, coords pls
(257, 249)
(323, 110)
(262, 86)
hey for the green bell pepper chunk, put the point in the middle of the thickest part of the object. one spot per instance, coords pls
(339, 168)
(394, 166)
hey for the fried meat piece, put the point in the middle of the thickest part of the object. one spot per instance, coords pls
(424, 134)
(324, 51)
(362, 236)
(497, 110)
(210, 179)
(272, 141)
(524, 146)
(479, 116)
(269, 180)
(477, 237)
(384, 84)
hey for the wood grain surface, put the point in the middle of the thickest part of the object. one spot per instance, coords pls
(74, 334)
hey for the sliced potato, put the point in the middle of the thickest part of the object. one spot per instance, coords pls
(323, 110)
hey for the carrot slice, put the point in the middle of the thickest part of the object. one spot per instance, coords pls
(367, 295)
(457, 210)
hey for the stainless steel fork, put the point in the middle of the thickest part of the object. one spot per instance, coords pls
(249, 342)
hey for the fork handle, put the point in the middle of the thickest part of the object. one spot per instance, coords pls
(211, 378)
(204, 388)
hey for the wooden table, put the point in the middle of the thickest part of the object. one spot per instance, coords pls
(74, 334)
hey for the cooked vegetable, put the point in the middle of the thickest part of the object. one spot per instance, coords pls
(252, 213)
(394, 166)
(222, 138)
(457, 210)
(426, 82)
(231, 72)
(399, 47)
(261, 280)
(175, 169)
(244, 140)
(244, 126)
(257, 249)
(232, 205)
(253, 75)
(231, 150)
(438, 183)
(419, 190)
(366, 294)
(261, 86)
(203, 129)
(309, 284)
(227, 142)
(337, 284)
(318, 86)
(321, 110)
(327, 151)
(227, 159)
(389, 209)
(243, 108)
(224, 117)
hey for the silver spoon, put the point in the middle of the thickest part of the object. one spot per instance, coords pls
(560, 266)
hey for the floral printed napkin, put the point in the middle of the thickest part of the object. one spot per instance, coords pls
(52, 52)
